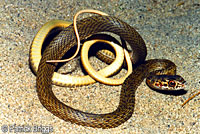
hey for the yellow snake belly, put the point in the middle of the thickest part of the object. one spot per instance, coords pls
(67, 39)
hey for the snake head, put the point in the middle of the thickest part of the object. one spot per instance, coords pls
(166, 82)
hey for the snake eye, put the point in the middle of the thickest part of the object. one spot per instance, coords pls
(172, 83)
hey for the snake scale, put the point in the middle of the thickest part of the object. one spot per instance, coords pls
(142, 69)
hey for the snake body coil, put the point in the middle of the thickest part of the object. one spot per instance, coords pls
(66, 39)
(52, 28)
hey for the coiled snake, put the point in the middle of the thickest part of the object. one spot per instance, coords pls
(142, 69)
(68, 80)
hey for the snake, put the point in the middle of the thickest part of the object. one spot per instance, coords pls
(141, 69)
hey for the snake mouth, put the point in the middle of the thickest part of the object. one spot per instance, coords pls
(184, 83)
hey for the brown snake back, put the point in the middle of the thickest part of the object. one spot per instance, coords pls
(65, 40)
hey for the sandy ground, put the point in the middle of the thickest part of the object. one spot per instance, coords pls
(171, 30)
